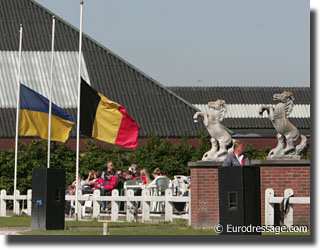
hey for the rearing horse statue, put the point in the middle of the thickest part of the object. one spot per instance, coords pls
(287, 133)
(220, 138)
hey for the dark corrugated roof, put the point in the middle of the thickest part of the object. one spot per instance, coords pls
(240, 95)
(156, 109)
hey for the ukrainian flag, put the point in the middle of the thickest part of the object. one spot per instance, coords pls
(34, 116)
(106, 120)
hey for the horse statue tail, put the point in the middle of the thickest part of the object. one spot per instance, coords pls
(301, 145)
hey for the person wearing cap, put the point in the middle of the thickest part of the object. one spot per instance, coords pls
(237, 158)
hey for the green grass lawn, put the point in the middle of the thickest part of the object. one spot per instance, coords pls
(94, 227)
(131, 231)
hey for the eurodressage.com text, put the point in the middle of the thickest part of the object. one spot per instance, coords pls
(266, 229)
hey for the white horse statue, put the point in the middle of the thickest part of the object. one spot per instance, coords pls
(220, 138)
(287, 133)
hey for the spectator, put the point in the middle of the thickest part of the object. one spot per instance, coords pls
(110, 167)
(107, 189)
(133, 168)
(237, 158)
(119, 174)
(145, 177)
(111, 183)
(128, 176)
(156, 175)
(137, 176)
(92, 178)
(70, 191)
(98, 183)
(80, 182)
(167, 179)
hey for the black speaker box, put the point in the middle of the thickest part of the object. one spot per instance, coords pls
(48, 199)
(239, 199)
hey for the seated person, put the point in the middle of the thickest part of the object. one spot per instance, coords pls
(136, 176)
(107, 187)
(145, 177)
(70, 191)
(98, 183)
(167, 179)
(110, 167)
(128, 176)
(119, 174)
(80, 182)
(93, 176)
(133, 168)
(113, 180)
(156, 175)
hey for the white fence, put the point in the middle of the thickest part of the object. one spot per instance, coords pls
(89, 205)
(288, 200)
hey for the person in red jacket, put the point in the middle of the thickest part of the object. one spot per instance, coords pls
(108, 187)
(112, 182)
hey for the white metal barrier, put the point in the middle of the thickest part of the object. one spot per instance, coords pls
(287, 200)
(146, 200)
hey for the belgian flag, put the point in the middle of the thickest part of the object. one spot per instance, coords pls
(34, 115)
(106, 120)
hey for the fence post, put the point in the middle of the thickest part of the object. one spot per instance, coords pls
(145, 205)
(114, 206)
(269, 207)
(3, 204)
(29, 202)
(79, 212)
(130, 205)
(188, 207)
(168, 206)
(96, 204)
(288, 218)
(17, 212)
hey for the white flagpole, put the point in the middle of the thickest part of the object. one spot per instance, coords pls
(15, 209)
(50, 89)
(78, 110)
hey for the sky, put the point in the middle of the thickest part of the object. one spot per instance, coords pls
(202, 42)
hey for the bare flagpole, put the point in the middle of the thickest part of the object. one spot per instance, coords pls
(78, 110)
(50, 89)
(15, 209)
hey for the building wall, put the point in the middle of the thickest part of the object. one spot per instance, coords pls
(278, 175)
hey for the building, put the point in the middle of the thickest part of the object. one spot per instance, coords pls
(166, 112)
(155, 108)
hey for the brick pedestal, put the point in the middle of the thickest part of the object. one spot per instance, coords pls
(276, 174)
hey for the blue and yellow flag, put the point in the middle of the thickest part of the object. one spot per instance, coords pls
(34, 116)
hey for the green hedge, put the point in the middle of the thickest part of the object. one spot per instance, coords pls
(172, 159)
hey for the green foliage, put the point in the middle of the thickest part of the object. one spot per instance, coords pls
(171, 158)
(253, 154)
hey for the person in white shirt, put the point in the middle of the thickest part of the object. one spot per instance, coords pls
(156, 175)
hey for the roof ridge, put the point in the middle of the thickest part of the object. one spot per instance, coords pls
(116, 55)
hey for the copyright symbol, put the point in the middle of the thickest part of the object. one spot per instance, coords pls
(218, 228)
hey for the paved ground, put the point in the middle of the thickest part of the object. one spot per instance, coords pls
(12, 230)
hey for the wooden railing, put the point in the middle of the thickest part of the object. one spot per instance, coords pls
(150, 206)
(288, 200)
